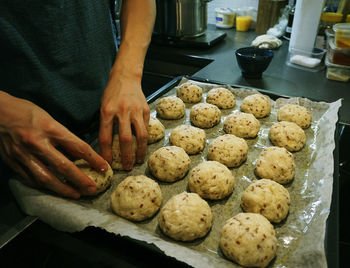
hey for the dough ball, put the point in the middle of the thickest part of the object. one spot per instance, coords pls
(136, 198)
(242, 125)
(249, 239)
(256, 104)
(275, 163)
(267, 198)
(185, 217)
(211, 180)
(205, 115)
(156, 130)
(295, 113)
(228, 150)
(169, 163)
(116, 153)
(103, 181)
(170, 108)
(189, 93)
(288, 135)
(191, 139)
(221, 97)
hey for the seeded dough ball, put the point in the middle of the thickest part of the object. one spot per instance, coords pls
(256, 104)
(189, 93)
(267, 198)
(249, 239)
(275, 163)
(169, 163)
(102, 180)
(170, 108)
(288, 135)
(242, 125)
(156, 130)
(228, 150)
(116, 153)
(211, 180)
(185, 217)
(205, 115)
(191, 139)
(221, 97)
(136, 198)
(295, 113)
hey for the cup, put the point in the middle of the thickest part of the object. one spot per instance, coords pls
(243, 23)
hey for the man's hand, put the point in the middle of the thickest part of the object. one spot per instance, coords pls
(29, 138)
(123, 102)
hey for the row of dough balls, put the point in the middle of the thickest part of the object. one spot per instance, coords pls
(283, 134)
(206, 115)
(171, 163)
(248, 238)
(256, 104)
(274, 163)
(287, 133)
(187, 216)
(213, 180)
(221, 97)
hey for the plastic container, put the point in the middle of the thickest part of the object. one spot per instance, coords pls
(342, 35)
(224, 17)
(340, 56)
(243, 23)
(329, 64)
(306, 60)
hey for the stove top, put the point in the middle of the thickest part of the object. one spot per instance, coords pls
(208, 39)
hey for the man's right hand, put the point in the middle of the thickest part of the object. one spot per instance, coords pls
(29, 138)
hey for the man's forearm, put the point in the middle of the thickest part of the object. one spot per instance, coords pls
(137, 22)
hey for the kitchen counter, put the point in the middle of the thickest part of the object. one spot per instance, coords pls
(279, 78)
(221, 66)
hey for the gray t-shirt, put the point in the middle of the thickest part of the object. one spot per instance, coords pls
(57, 54)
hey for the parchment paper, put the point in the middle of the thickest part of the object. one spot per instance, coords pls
(300, 236)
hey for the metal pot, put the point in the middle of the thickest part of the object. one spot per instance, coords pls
(181, 18)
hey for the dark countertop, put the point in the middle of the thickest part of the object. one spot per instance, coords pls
(279, 78)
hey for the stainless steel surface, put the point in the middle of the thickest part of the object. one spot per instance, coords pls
(181, 18)
(15, 230)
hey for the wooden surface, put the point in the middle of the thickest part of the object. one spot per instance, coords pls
(269, 12)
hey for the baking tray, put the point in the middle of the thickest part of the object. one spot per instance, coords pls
(169, 86)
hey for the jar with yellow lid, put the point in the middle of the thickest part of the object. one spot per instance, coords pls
(347, 19)
(328, 19)
(325, 29)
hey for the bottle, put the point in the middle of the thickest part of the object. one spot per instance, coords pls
(288, 32)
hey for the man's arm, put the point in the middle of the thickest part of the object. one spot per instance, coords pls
(123, 100)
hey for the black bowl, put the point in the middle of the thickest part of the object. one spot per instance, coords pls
(253, 61)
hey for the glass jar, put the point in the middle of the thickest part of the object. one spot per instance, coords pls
(325, 29)
(328, 19)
